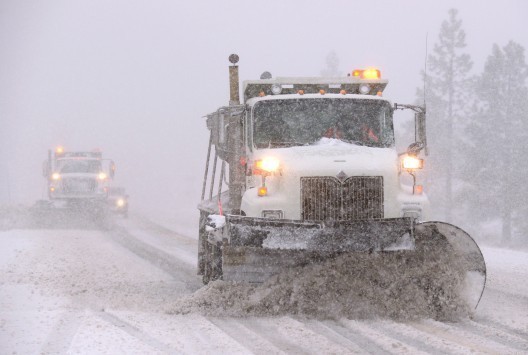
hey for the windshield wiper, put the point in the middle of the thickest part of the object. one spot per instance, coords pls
(351, 141)
(285, 144)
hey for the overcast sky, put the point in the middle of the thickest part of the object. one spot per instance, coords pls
(134, 78)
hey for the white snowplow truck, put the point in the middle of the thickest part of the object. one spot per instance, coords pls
(77, 186)
(309, 171)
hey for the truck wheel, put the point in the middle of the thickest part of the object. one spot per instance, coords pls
(207, 269)
(202, 243)
(216, 262)
(212, 264)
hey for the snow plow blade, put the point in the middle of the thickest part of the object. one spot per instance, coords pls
(448, 261)
(455, 247)
(331, 236)
(81, 214)
(260, 247)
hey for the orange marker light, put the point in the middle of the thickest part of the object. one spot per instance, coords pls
(300, 92)
(379, 93)
(262, 191)
(343, 92)
(322, 92)
(262, 93)
(418, 189)
(357, 73)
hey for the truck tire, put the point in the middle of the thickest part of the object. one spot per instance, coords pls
(202, 243)
(212, 263)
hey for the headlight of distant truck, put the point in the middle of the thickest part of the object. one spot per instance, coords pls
(55, 176)
(101, 176)
(120, 202)
(412, 163)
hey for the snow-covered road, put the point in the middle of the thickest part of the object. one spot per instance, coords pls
(89, 291)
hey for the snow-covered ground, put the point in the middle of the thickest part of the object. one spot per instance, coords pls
(90, 291)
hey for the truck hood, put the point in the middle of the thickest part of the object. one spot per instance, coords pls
(328, 157)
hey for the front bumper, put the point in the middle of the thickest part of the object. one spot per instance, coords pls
(330, 236)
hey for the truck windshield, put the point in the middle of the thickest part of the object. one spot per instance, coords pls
(79, 166)
(290, 122)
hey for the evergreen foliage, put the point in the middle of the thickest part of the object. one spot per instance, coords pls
(447, 96)
(498, 159)
(332, 66)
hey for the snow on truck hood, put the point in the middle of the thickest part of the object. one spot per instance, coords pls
(330, 156)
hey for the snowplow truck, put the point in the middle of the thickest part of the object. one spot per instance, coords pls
(77, 186)
(306, 169)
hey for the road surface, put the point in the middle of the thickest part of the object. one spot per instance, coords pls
(92, 291)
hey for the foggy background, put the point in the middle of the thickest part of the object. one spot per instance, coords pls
(135, 78)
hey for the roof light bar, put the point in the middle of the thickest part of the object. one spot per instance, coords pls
(367, 73)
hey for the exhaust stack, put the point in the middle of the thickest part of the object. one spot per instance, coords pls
(234, 98)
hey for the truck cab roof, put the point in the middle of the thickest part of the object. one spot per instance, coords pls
(253, 100)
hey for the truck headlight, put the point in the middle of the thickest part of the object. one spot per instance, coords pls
(101, 176)
(120, 202)
(266, 165)
(55, 176)
(412, 163)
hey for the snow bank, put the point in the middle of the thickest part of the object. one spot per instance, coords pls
(395, 285)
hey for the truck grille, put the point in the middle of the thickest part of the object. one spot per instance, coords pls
(78, 185)
(327, 198)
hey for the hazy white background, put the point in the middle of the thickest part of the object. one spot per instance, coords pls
(134, 78)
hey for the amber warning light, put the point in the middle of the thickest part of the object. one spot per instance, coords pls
(367, 73)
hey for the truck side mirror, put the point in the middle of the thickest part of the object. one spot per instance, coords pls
(415, 148)
(221, 128)
(420, 131)
(420, 136)
(112, 169)
(45, 169)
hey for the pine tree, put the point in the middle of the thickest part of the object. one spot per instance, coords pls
(332, 66)
(499, 130)
(447, 97)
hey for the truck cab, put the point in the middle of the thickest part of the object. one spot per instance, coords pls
(78, 175)
(324, 156)
(319, 149)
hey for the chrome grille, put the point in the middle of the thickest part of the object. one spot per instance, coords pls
(78, 185)
(356, 198)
